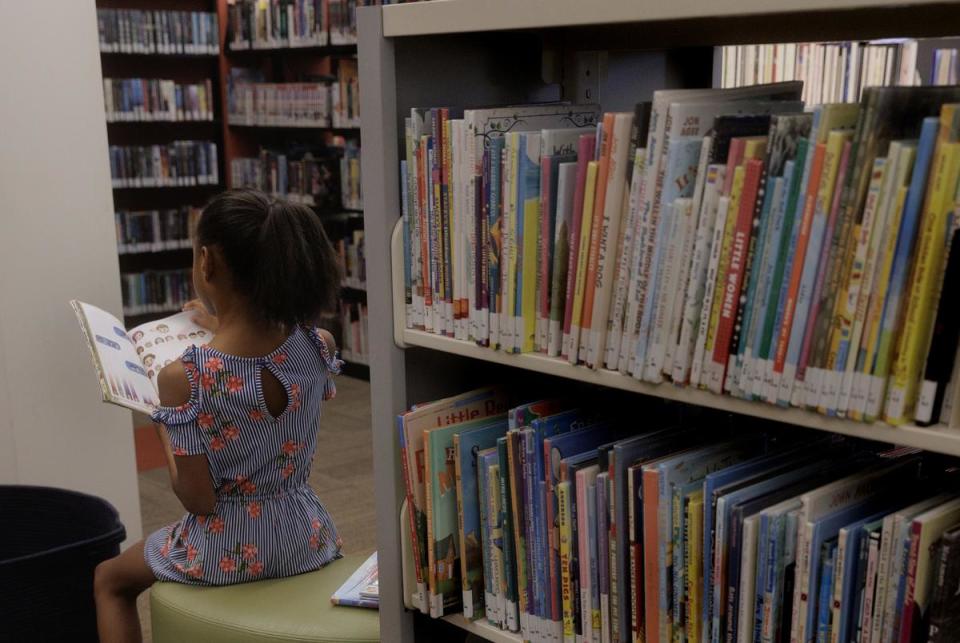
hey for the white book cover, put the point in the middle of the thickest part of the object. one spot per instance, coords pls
(610, 231)
(552, 142)
(710, 284)
(695, 296)
(128, 362)
(680, 169)
(508, 269)
(686, 258)
(566, 185)
(619, 305)
(748, 579)
(636, 283)
(660, 336)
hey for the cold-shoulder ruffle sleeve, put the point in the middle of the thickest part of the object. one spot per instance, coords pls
(331, 360)
(186, 436)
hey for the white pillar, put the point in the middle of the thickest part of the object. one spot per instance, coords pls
(57, 243)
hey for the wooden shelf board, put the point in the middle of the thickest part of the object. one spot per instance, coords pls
(460, 16)
(939, 438)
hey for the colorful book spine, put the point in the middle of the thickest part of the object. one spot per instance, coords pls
(901, 266)
(913, 337)
(583, 253)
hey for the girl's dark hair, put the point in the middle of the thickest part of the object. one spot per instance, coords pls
(277, 252)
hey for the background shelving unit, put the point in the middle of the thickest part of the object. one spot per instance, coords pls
(182, 68)
(463, 53)
(293, 64)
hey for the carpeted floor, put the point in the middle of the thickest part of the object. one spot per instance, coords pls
(342, 476)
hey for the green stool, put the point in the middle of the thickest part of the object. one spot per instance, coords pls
(283, 609)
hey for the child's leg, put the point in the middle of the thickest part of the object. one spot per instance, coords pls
(116, 585)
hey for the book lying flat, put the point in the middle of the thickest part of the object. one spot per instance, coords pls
(128, 361)
(362, 588)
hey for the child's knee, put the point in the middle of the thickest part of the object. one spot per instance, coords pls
(102, 580)
(107, 579)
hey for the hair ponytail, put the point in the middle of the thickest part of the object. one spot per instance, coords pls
(277, 252)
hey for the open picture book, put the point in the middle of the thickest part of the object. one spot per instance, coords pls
(128, 361)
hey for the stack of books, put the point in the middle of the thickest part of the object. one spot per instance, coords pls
(272, 24)
(309, 177)
(722, 238)
(155, 291)
(155, 230)
(343, 20)
(350, 176)
(353, 321)
(830, 71)
(946, 67)
(135, 31)
(154, 99)
(280, 104)
(179, 163)
(346, 94)
(351, 250)
(567, 524)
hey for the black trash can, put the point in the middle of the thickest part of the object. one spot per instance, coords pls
(51, 540)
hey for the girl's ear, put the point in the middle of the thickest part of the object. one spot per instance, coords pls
(206, 264)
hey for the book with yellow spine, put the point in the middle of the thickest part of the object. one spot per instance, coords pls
(912, 339)
(528, 200)
(510, 240)
(858, 396)
(853, 395)
(848, 302)
(693, 557)
(566, 539)
(584, 253)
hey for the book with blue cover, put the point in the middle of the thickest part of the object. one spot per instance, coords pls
(467, 444)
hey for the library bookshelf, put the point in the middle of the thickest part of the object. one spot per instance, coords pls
(465, 53)
(289, 64)
(181, 68)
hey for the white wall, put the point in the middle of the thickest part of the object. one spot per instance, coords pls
(56, 243)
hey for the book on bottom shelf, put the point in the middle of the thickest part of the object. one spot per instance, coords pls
(689, 532)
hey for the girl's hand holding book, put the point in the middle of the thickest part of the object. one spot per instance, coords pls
(202, 316)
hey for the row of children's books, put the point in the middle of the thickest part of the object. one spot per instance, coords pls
(135, 31)
(352, 252)
(155, 230)
(354, 343)
(280, 104)
(350, 187)
(722, 238)
(272, 24)
(178, 163)
(346, 94)
(155, 291)
(566, 525)
(830, 71)
(946, 67)
(309, 177)
(154, 99)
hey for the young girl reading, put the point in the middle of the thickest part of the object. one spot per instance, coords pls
(239, 416)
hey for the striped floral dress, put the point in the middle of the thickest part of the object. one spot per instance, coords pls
(267, 521)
